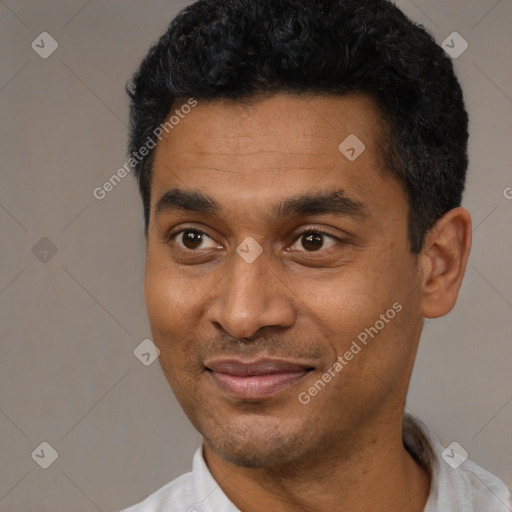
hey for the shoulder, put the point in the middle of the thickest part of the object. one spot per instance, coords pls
(190, 492)
(488, 492)
(457, 483)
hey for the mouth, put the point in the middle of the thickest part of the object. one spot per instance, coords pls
(254, 380)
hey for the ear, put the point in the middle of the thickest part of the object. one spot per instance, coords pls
(443, 261)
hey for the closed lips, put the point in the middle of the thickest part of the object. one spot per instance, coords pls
(255, 380)
(264, 367)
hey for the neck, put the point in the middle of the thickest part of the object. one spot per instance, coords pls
(369, 467)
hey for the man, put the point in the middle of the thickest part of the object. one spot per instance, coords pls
(301, 166)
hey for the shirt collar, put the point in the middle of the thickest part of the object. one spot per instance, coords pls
(450, 489)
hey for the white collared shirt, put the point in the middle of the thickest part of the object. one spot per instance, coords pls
(468, 488)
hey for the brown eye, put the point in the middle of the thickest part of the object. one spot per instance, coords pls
(192, 239)
(314, 240)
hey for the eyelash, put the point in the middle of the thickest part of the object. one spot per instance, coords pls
(314, 231)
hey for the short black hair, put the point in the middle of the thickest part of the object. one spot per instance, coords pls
(243, 49)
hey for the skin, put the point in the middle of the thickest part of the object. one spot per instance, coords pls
(298, 301)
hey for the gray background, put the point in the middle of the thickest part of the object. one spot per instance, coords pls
(69, 325)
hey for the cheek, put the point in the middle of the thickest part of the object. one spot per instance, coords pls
(352, 300)
(173, 303)
(168, 296)
(165, 313)
(161, 300)
(373, 306)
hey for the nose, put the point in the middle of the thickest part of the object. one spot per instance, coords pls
(249, 297)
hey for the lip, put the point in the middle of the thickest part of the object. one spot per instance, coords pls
(253, 380)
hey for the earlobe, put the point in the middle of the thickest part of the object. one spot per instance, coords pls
(443, 262)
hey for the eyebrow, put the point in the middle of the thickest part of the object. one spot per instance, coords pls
(332, 202)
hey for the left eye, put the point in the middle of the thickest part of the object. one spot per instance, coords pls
(313, 240)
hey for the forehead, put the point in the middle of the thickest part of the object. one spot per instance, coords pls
(281, 123)
(282, 143)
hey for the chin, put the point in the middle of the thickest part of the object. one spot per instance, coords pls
(259, 443)
(254, 454)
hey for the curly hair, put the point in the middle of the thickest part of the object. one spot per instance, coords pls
(243, 49)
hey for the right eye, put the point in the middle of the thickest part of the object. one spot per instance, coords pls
(192, 239)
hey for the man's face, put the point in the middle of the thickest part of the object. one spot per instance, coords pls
(243, 341)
